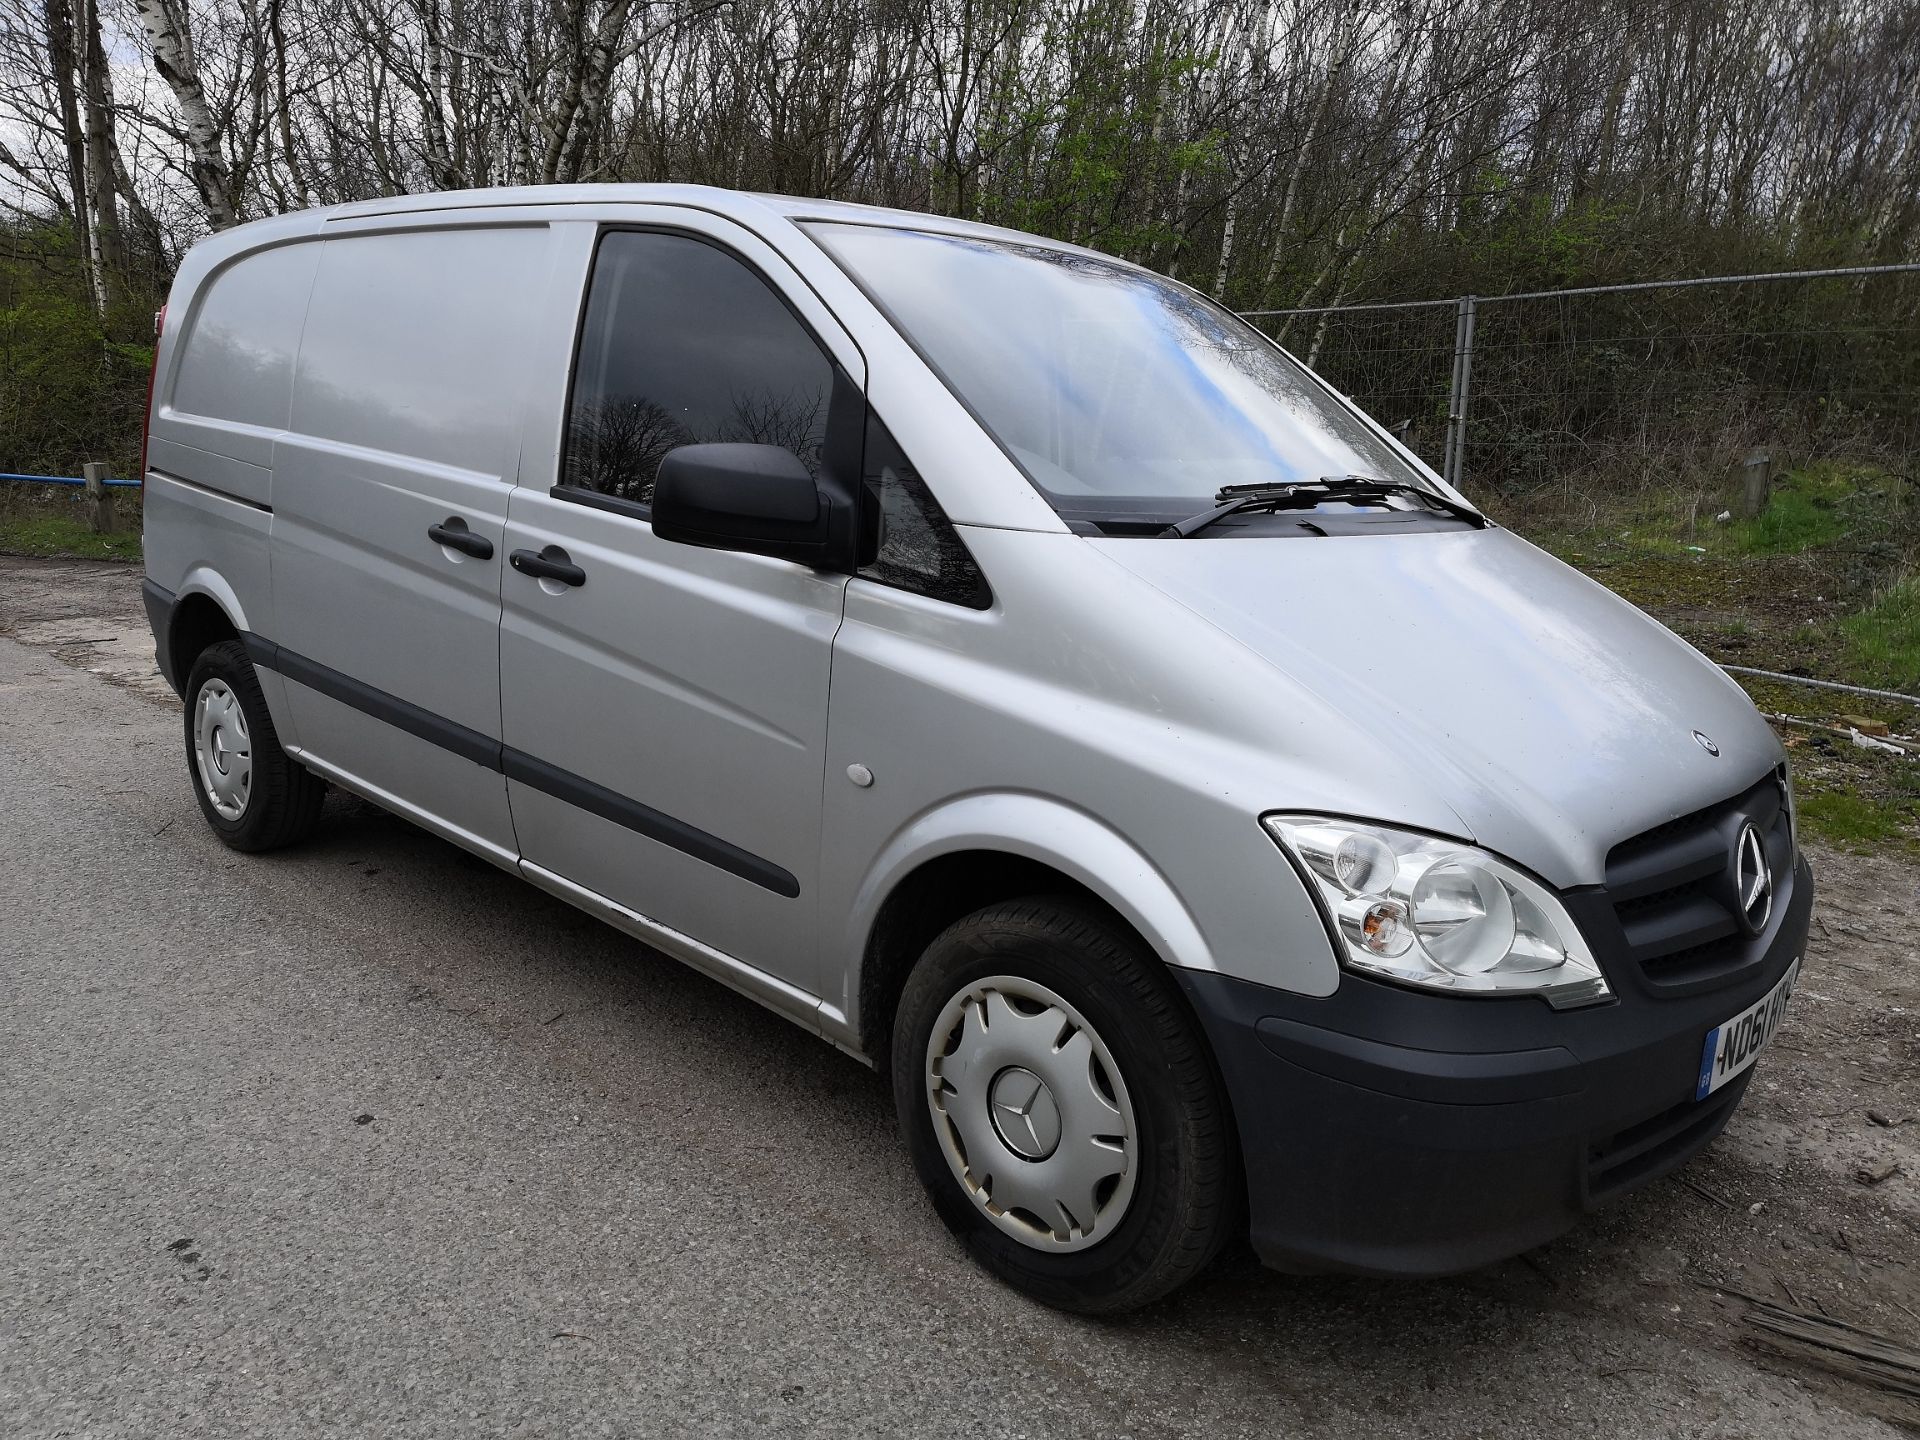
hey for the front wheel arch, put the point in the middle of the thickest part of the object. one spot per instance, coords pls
(987, 847)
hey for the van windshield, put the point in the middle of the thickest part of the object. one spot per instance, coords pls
(1129, 401)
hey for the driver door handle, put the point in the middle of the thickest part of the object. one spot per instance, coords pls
(552, 563)
(453, 533)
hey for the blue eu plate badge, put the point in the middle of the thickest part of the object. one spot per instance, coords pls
(1732, 1047)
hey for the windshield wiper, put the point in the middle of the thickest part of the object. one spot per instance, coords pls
(1304, 494)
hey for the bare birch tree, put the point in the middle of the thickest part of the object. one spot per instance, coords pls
(170, 42)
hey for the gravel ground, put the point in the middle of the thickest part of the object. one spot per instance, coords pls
(369, 1137)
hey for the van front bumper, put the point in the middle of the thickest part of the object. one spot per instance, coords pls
(1390, 1131)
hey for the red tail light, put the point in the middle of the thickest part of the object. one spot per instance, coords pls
(159, 328)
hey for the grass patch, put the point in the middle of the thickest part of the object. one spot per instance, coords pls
(1883, 640)
(1823, 583)
(1851, 820)
(49, 532)
(1812, 506)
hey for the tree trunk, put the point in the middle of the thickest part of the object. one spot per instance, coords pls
(283, 105)
(1301, 157)
(167, 36)
(1226, 240)
(434, 102)
(97, 133)
(1176, 222)
(63, 63)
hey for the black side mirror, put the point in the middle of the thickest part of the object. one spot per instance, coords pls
(756, 498)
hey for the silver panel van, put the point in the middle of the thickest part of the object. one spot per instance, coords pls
(1008, 665)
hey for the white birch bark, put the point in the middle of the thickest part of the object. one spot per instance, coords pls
(105, 253)
(1226, 237)
(165, 23)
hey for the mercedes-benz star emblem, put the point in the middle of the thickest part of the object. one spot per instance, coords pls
(1025, 1113)
(1706, 743)
(1752, 880)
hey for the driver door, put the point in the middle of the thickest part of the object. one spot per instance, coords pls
(665, 717)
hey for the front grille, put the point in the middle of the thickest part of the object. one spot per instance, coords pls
(1671, 895)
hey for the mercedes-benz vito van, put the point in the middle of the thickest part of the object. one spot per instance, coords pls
(1007, 664)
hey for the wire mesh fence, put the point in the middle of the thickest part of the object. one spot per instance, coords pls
(1395, 361)
(1631, 386)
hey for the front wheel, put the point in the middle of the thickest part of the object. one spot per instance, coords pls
(1062, 1107)
(254, 795)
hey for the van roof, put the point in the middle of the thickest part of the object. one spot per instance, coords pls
(737, 204)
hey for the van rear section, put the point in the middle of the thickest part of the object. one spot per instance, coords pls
(221, 391)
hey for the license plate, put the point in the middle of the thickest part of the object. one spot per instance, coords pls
(1732, 1047)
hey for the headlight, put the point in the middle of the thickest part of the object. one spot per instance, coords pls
(1441, 913)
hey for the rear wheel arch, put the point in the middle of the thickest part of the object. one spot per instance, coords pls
(253, 794)
(198, 622)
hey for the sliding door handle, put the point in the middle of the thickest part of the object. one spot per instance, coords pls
(453, 533)
(552, 563)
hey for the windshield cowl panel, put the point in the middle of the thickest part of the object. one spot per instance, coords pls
(1324, 522)
(1128, 401)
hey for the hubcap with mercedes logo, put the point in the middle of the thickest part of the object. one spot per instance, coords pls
(1032, 1113)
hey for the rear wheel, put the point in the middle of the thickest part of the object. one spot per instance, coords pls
(1062, 1108)
(254, 795)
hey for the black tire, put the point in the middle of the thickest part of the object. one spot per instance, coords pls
(283, 803)
(1187, 1196)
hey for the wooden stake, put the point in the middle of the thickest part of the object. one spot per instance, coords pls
(99, 499)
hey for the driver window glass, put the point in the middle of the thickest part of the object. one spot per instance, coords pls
(682, 344)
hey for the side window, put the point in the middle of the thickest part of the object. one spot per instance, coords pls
(236, 362)
(683, 344)
(414, 346)
(912, 543)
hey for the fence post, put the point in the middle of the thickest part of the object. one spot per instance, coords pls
(1453, 463)
(99, 501)
(1756, 483)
